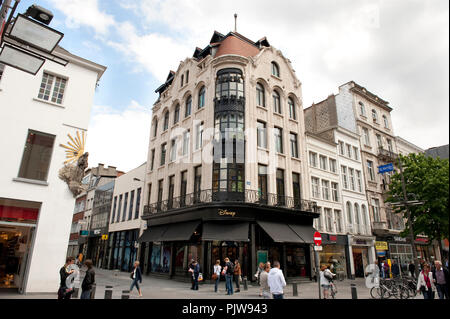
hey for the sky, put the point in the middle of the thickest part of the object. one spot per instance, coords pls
(398, 50)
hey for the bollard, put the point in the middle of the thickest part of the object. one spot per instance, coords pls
(354, 294)
(125, 294)
(94, 286)
(75, 292)
(294, 289)
(108, 292)
(245, 283)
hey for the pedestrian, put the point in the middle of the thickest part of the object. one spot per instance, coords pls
(65, 292)
(191, 270)
(237, 274)
(325, 280)
(441, 280)
(425, 282)
(412, 269)
(136, 275)
(383, 274)
(79, 260)
(257, 274)
(276, 281)
(88, 281)
(195, 270)
(228, 271)
(395, 269)
(264, 282)
(373, 275)
(386, 269)
(216, 274)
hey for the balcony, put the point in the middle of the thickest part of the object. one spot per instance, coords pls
(395, 221)
(248, 196)
(386, 155)
(379, 227)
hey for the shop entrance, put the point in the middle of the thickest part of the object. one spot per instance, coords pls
(360, 261)
(14, 251)
(231, 249)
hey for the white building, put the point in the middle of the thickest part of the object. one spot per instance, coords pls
(36, 115)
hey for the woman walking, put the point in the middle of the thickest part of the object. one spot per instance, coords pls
(216, 274)
(425, 282)
(136, 275)
(88, 281)
(325, 276)
(237, 274)
(264, 284)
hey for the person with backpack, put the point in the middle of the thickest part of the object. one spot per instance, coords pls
(88, 281)
(228, 271)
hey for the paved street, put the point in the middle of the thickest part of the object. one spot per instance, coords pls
(158, 288)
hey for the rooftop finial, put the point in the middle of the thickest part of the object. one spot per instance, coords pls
(235, 21)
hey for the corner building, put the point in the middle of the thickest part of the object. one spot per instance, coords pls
(226, 165)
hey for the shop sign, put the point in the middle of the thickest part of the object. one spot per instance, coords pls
(97, 232)
(381, 245)
(422, 240)
(402, 239)
(360, 242)
(104, 237)
(84, 232)
(381, 253)
(332, 238)
(223, 212)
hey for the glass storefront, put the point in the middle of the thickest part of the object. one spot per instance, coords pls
(402, 254)
(297, 261)
(334, 256)
(123, 249)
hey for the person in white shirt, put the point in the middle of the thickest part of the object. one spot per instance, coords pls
(276, 281)
(325, 282)
(217, 270)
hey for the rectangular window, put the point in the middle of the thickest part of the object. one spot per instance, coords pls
(261, 132)
(281, 200)
(152, 161)
(171, 191)
(356, 153)
(335, 192)
(341, 148)
(344, 177)
(315, 187)
(313, 159)
(114, 209)
(186, 138)
(296, 189)
(366, 136)
(376, 210)
(125, 205)
(323, 162)
(138, 203)
(173, 150)
(163, 154)
(358, 178)
(183, 188)
(149, 198)
(278, 134)
(338, 220)
(130, 213)
(187, 76)
(318, 220)
(389, 143)
(199, 136)
(329, 219)
(52, 86)
(349, 150)
(36, 155)
(325, 190)
(120, 208)
(370, 171)
(160, 193)
(379, 141)
(294, 147)
(262, 183)
(351, 172)
(332, 165)
(197, 182)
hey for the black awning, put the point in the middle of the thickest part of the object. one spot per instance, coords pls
(280, 232)
(225, 231)
(154, 233)
(180, 231)
(305, 232)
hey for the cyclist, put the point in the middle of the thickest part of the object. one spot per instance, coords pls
(326, 278)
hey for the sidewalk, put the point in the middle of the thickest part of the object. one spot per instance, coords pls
(158, 288)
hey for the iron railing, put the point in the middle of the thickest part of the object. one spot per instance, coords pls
(386, 155)
(246, 196)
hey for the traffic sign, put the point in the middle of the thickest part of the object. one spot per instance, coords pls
(317, 248)
(385, 168)
(317, 239)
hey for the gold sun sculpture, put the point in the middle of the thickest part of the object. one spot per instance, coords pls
(75, 148)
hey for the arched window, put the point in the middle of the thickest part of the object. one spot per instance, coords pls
(364, 219)
(357, 220)
(374, 116)
(385, 120)
(260, 96)
(155, 127)
(188, 106)
(276, 102)
(166, 121)
(201, 97)
(292, 113)
(349, 213)
(362, 109)
(275, 69)
(176, 114)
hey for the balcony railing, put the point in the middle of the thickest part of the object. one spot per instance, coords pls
(247, 196)
(386, 155)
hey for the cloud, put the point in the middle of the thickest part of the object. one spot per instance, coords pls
(119, 138)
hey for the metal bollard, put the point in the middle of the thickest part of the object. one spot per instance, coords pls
(294, 289)
(94, 287)
(108, 292)
(125, 294)
(354, 293)
(245, 283)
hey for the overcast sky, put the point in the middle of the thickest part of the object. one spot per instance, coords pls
(397, 49)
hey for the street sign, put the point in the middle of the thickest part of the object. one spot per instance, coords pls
(317, 239)
(317, 248)
(385, 168)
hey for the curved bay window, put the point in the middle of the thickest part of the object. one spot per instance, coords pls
(229, 158)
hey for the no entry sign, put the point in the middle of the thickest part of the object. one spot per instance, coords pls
(317, 239)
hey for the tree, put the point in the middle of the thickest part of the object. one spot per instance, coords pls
(428, 179)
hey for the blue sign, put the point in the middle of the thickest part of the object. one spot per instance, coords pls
(385, 168)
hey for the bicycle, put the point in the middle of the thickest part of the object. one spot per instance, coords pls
(390, 288)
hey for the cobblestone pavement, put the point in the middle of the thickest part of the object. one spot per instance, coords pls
(160, 288)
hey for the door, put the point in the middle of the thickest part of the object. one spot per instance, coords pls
(358, 263)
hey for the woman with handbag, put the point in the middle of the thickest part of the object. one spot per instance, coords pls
(237, 274)
(136, 275)
(425, 282)
(216, 275)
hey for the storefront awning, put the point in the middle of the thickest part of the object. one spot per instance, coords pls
(280, 232)
(305, 232)
(180, 231)
(225, 232)
(154, 233)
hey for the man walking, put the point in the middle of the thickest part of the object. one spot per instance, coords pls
(276, 281)
(412, 269)
(441, 280)
(395, 269)
(88, 281)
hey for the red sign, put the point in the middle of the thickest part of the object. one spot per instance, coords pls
(317, 238)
